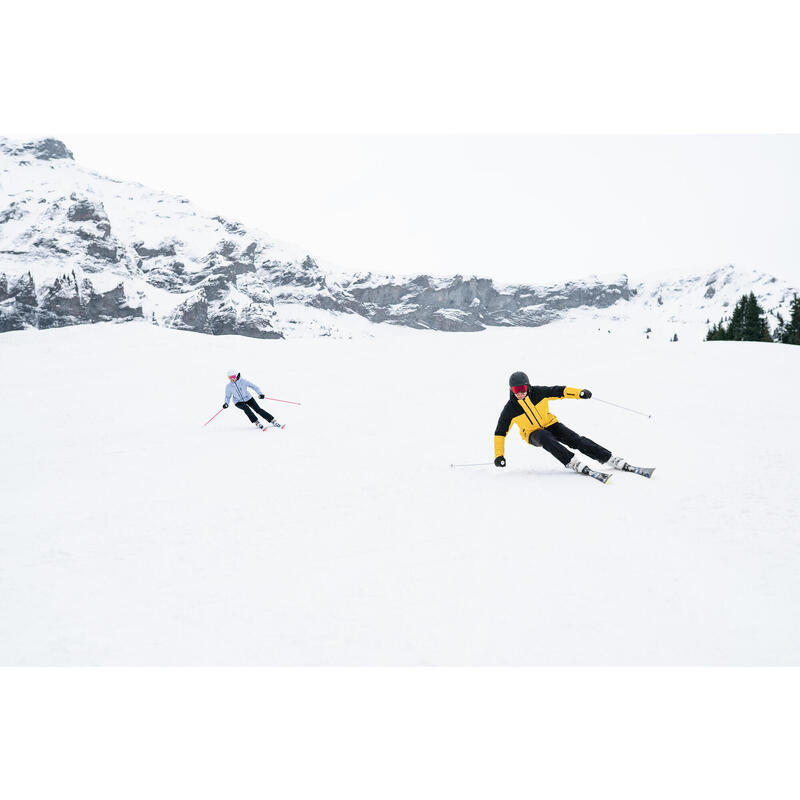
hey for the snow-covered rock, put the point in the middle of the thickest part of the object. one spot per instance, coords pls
(79, 247)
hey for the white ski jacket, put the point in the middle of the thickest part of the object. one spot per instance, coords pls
(239, 391)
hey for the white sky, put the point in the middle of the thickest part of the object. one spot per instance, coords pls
(515, 207)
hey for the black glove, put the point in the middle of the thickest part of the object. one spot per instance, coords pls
(224, 405)
(500, 461)
(261, 397)
(585, 394)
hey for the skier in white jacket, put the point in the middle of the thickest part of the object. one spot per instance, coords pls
(238, 390)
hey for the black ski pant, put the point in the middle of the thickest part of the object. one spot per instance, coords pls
(554, 437)
(247, 405)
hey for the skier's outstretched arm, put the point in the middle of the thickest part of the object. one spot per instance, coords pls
(559, 392)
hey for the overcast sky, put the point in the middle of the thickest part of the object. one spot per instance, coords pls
(517, 208)
(524, 207)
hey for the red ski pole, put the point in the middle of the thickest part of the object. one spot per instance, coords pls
(277, 399)
(218, 412)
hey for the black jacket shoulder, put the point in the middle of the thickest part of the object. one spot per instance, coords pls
(538, 393)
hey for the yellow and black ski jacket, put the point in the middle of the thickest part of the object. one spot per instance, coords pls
(529, 414)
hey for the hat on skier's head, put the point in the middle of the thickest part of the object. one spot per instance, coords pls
(233, 374)
(518, 379)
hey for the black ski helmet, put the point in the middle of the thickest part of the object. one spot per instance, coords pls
(518, 379)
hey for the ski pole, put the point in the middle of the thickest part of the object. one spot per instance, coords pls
(277, 399)
(218, 412)
(482, 464)
(632, 410)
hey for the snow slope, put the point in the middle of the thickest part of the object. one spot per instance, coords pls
(134, 535)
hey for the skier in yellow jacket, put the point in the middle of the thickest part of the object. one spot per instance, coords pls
(527, 408)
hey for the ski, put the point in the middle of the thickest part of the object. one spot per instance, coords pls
(272, 428)
(599, 476)
(647, 472)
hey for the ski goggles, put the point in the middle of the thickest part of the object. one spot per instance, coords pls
(517, 389)
(232, 377)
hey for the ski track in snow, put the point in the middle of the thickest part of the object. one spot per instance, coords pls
(133, 535)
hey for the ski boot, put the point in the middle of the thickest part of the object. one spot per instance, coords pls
(617, 462)
(576, 465)
(585, 469)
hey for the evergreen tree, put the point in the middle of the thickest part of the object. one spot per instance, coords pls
(793, 325)
(748, 323)
(735, 329)
(754, 324)
(716, 333)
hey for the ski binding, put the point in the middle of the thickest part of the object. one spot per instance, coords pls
(647, 472)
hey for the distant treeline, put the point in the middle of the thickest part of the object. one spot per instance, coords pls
(748, 323)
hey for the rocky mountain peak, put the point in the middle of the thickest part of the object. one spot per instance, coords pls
(41, 149)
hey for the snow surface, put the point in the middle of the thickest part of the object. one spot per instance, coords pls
(134, 535)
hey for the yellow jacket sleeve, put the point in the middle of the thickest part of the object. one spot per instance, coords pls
(499, 446)
(569, 391)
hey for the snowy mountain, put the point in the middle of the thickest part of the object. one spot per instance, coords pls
(78, 247)
(671, 305)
